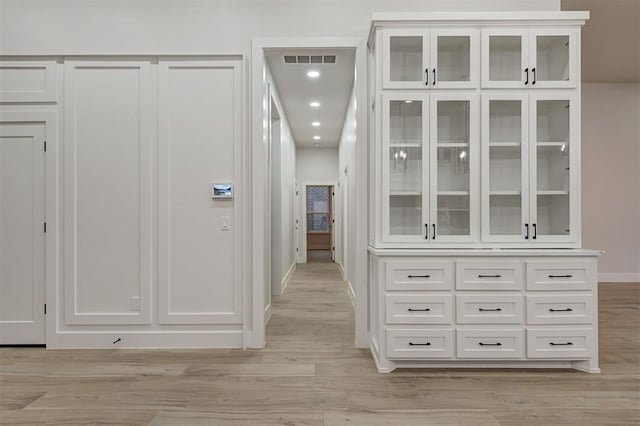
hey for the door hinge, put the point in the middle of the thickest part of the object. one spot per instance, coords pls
(45, 146)
(333, 248)
(45, 227)
(45, 309)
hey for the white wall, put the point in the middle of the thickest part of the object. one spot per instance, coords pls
(347, 160)
(317, 165)
(196, 26)
(611, 177)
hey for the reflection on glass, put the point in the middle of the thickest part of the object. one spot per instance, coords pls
(453, 169)
(552, 55)
(406, 58)
(405, 170)
(505, 58)
(453, 215)
(454, 58)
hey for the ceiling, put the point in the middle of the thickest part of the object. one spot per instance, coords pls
(610, 40)
(332, 89)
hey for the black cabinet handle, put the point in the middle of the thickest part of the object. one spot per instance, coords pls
(490, 344)
(434, 77)
(490, 310)
(434, 232)
(419, 310)
(418, 276)
(426, 231)
(526, 71)
(426, 71)
(534, 76)
(526, 226)
(561, 344)
(535, 231)
(560, 310)
(561, 276)
(419, 344)
(489, 276)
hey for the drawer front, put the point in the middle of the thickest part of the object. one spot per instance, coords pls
(559, 275)
(555, 343)
(489, 275)
(417, 275)
(483, 344)
(498, 309)
(560, 309)
(419, 309)
(419, 343)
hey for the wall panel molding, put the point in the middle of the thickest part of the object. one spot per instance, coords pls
(28, 81)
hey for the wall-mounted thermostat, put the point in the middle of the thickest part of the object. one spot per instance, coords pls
(222, 191)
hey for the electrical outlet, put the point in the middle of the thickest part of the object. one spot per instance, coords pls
(135, 304)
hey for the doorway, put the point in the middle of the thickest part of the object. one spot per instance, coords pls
(320, 220)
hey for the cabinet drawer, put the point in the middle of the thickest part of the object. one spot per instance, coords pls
(554, 343)
(420, 309)
(481, 309)
(490, 343)
(555, 309)
(489, 275)
(559, 275)
(420, 343)
(419, 275)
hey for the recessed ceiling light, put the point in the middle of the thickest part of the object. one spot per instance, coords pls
(316, 138)
(408, 102)
(313, 74)
(315, 123)
(314, 104)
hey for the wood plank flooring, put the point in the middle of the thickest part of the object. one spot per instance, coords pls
(310, 374)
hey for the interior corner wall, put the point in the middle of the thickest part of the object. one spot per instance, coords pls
(347, 179)
(611, 178)
(283, 224)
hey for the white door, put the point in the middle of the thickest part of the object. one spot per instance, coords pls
(22, 240)
(454, 59)
(553, 58)
(406, 55)
(454, 167)
(554, 162)
(505, 58)
(505, 154)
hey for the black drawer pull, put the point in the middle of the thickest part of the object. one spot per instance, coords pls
(418, 276)
(419, 310)
(561, 344)
(561, 276)
(489, 276)
(490, 310)
(560, 310)
(419, 344)
(490, 344)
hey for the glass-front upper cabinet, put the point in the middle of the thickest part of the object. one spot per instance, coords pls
(434, 59)
(505, 199)
(542, 58)
(405, 157)
(553, 160)
(454, 160)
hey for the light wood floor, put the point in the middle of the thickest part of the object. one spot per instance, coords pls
(310, 374)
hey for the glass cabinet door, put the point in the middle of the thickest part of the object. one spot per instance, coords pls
(405, 58)
(553, 58)
(453, 61)
(404, 137)
(453, 169)
(504, 156)
(553, 200)
(504, 59)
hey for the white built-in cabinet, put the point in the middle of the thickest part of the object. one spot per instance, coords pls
(474, 256)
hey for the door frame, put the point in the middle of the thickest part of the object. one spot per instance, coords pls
(303, 229)
(255, 329)
(52, 208)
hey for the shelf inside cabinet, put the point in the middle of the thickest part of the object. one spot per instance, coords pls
(553, 192)
(405, 145)
(453, 193)
(453, 144)
(408, 193)
(504, 144)
(507, 192)
(552, 144)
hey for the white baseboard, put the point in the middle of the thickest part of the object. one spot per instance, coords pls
(619, 277)
(267, 314)
(341, 270)
(285, 281)
(352, 294)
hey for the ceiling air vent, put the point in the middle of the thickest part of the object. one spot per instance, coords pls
(314, 59)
